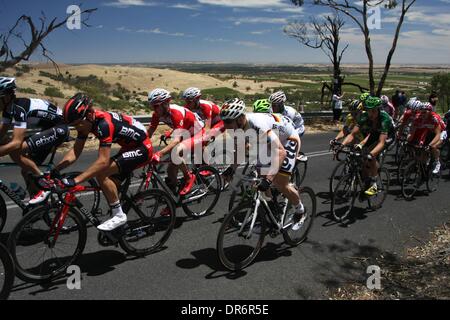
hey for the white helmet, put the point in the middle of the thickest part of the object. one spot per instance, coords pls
(7, 85)
(192, 93)
(232, 109)
(426, 106)
(416, 105)
(411, 102)
(385, 99)
(158, 96)
(278, 97)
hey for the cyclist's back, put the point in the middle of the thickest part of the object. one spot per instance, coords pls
(297, 119)
(179, 118)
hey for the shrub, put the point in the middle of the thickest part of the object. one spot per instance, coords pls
(53, 92)
(27, 90)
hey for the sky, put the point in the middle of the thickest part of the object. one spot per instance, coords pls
(238, 31)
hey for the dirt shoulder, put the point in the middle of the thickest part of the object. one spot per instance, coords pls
(422, 274)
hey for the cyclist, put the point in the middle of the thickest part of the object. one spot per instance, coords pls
(377, 128)
(278, 100)
(285, 150)
(109, 127)
(387, 106)
(406, 120)
(350, 122)
(21, 114)
(181, 120)
(426, 130)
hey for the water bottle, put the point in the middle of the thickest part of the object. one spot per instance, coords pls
(21, 193)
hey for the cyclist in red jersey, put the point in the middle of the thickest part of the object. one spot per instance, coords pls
(109, 128)
(426, 130)
(183, 122)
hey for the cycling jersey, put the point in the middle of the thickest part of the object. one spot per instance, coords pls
(111, 127)
(264, 122)
(24, 113)
(179, 118)
(424, 126)
(349, 124)
(385, 125)
(297, 119)
(389, 109)
(207, 111)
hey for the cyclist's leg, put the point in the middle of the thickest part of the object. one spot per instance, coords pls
(370, 168)
(122, 164)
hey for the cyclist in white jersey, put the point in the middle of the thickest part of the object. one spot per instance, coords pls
(278, 100)
(283, 139)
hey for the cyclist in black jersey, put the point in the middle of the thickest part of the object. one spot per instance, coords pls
(20, 114)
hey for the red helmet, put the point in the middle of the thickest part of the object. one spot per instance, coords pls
(76, 107)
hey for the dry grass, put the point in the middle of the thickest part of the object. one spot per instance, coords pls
(423, 274)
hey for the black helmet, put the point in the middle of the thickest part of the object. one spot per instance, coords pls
(7, 85)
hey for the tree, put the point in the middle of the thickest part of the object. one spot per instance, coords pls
(359, 13)
(324, 35)
(10, 58)
(440, 83)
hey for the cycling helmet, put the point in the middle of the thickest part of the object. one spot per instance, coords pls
(192, 93)
(76, 107)
(278, 97)
(416, 105)
(364, 96)
(262, 106)
(159, 96)
(7, 85)
(385, 99)
(372, 103)
(232, 109)
(426, 106)
(354, 106)
(411, 102)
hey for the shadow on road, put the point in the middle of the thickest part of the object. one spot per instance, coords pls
(208, 257)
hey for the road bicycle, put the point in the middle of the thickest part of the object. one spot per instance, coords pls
(6, 273)
(352, 186)
(52, 237)
(419, 171)
(243, 230)
(92, 196)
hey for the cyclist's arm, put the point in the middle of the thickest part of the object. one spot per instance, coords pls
(437, 137)
(351, 137)
(380, 146)
(74, 153)
(280, 154)
(3, 131)
(101, 164)
(175, 141)
(153, 125)
(15, 143)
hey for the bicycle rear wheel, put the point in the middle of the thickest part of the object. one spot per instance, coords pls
(433, 181)
(299, 173)
(204, 194)
(30, 243)
(238, 243)
(6, 273)
(411, 180)
(296, 229)
(344, 197)
(151, 219)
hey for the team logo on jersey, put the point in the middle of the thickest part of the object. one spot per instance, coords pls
(60, 131)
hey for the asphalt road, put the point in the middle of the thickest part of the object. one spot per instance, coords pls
(188, 268)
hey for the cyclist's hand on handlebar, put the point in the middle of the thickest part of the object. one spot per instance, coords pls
(264, 185)
(69, 182)
(358, 147)
(156, 158)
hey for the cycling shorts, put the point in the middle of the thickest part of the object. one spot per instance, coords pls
(292, 148)
(131, 159)
(41, 144)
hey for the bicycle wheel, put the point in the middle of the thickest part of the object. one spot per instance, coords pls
(3, 213)
(343, 197)
(148, 227)
(91, 199)
(383, 182)
(204, 194)
(31, 244)
(6, 273)
(238, 242)
(296, 229)
(299, 174)
(411, 180)
(339, 171)
(433, 181)
(238, 191)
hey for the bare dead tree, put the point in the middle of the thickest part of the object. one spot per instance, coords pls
(358, 13)
(37, 34)
(323, 34)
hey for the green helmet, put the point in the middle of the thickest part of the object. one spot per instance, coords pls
(262, 106)
(372, 103)
(364, 96)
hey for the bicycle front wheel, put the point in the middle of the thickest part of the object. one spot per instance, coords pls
(6, 273)
(344, 197)
(151, 219)
(3, 214)
(411, 180)
(339, 171)
(239, 242)
(296, 228)
(204, 194)
(383, 182)
(37, 253)
(433, 181)
(299, 173)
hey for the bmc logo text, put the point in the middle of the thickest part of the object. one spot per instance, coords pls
(132, 154)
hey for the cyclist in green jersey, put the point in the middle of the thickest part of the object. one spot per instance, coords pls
(378, 130)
